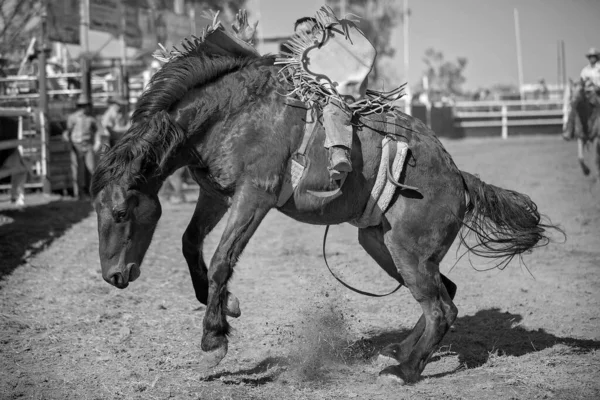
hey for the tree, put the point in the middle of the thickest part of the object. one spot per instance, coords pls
(378, 20)
(15, 25)
(445, 77)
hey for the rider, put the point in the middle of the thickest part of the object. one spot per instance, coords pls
(336, 118)
(336, 115)
(590, 74)
(590, 82)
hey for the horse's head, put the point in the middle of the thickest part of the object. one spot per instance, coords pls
(126, 222)
(574, 90)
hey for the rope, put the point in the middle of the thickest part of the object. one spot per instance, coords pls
(344, 283)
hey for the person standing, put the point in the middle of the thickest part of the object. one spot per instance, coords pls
(590, 74)
(85, 135)
(114, 120)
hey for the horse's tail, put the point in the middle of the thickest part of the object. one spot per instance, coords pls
(505, 223)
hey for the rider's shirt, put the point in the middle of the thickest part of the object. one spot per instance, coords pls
(591, 73)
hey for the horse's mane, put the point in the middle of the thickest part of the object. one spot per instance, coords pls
(153, 134)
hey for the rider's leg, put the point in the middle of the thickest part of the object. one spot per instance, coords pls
(338, 137)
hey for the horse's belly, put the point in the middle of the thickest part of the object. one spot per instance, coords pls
(354, 193)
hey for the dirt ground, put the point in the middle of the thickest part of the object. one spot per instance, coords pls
(528, 332)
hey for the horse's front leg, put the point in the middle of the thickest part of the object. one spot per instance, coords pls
(596, 150)
(584, 167)
(210, 208)
(249, 207)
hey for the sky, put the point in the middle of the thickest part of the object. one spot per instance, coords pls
(483, 31)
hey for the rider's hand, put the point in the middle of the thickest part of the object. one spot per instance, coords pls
(241, 27)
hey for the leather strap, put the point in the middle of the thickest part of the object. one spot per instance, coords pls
(309, 130)
(344, 283)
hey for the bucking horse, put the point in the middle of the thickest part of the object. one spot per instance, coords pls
(229, 120)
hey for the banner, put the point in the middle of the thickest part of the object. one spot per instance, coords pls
(105, 16)
(133, 32)
(63, 21)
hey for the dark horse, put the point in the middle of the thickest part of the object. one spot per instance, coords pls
(227, 120)
(583, 122)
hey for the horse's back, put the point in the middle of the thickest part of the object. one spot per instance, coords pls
(427, 166)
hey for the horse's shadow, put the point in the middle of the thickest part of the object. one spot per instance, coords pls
(475, 337)
(264, 372)
(472, 338)
(25, 232)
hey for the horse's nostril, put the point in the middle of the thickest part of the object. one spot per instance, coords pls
(116, 279)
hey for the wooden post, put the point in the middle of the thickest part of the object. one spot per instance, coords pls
(192, 15)
(20, 135)
(124, 72)
(85, 61)
(408, 96)
(519, 56)
(43, 101)
(504, 113)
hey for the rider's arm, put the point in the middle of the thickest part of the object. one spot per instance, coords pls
(67, 132)
(585, 73)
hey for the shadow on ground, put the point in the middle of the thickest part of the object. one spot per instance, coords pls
(25, 232)
(473, 338)
(264, 372)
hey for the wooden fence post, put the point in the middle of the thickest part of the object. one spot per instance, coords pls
(504, 113)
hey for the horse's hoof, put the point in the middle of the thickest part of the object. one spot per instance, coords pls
(586, 170)
(394, 375)
(384, 361)
(233, 306)
(390, 380)
(211, 359)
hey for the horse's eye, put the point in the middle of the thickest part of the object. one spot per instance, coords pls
(119, 215)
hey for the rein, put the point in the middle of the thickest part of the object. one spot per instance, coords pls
(344, 283)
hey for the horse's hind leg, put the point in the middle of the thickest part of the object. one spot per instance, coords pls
(210, 208)
(401, 351)
(423, 279)
(372, 240)
(248, 209)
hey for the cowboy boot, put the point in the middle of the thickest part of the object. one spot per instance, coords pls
(339, 163)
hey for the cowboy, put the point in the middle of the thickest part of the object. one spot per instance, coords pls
(336, 118)
(85, 135)
(336, 114)
(114, 119)
(590, 82)
(590, 74)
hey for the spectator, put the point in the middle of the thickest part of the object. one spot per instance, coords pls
(13, 165)
(544, 92)
(85, 135)
(114, 120)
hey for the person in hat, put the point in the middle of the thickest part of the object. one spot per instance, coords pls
(115, 120)
(85, 135)
(590, 83)
(590, 74)
(352, 84)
